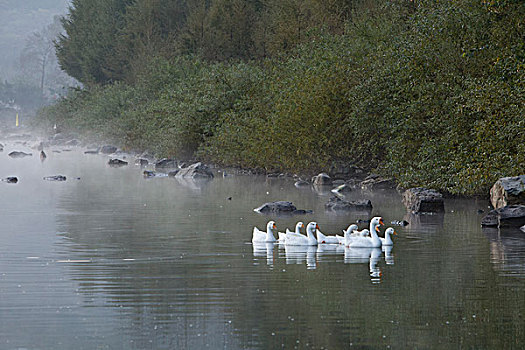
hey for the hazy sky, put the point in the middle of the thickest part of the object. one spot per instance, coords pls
(18, 19)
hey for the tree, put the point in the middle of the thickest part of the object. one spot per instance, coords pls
(39, 52)
(86, 50)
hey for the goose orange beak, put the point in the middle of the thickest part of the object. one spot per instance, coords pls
(317, 226)
(381, 221)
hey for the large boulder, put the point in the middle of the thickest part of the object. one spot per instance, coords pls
(374, 182)
(423, 200)
(195, 171)
(322, 180)
(508, 191)
(338, 204)
(509, 216)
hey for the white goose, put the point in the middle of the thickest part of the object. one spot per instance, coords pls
(350, 230)
(298, 227)
(373, 241)
(264, 237)
(293, 238)
(324, 239)
(388, 238)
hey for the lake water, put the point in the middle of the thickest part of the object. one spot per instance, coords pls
(111, 260)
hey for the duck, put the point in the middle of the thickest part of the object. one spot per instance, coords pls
(262, 236)
(324, 239)
(387, 240)
(298, 227)
(373, 241)
(293, 238)
(350, 230)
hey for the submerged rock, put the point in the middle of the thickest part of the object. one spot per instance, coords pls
(11, 179)
(195, 171)
(280, 207)
(91, 151)
(322, 180)
(507, 191)
(423, 200)
(117, 162)
(55, 178)
(18, 154)
(508, 216)
(338, 204)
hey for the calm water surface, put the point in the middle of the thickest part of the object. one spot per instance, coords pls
(110, 260)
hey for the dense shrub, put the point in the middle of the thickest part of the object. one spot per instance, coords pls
(430, 93)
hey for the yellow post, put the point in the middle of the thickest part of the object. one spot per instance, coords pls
(17, 119)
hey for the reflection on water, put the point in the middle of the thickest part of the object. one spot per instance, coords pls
(117, 261)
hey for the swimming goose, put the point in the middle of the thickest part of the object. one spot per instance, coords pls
(350, 230)
(367, 242)
(388, 238)
(264, 237)
(293, 238)
(298, 227)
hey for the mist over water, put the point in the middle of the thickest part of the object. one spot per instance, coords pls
(109, 259)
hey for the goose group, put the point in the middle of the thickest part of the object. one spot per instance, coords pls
(352, 237)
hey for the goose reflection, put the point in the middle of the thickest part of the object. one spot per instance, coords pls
(297, 254)
(389, 257)
(264, 250)
(327, 251)
(363, 256)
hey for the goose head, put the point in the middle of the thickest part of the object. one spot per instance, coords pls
(270, 227)
(299, 226)
(390, 231)
(312, 227)
(375, 223)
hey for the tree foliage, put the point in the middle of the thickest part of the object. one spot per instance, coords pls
(430, 93)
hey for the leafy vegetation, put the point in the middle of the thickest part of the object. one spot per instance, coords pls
(430, 93)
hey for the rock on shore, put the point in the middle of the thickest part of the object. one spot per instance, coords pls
(423, 200)
(195, 171)
(508, 191)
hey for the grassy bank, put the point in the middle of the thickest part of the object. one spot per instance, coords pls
(432, 95)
